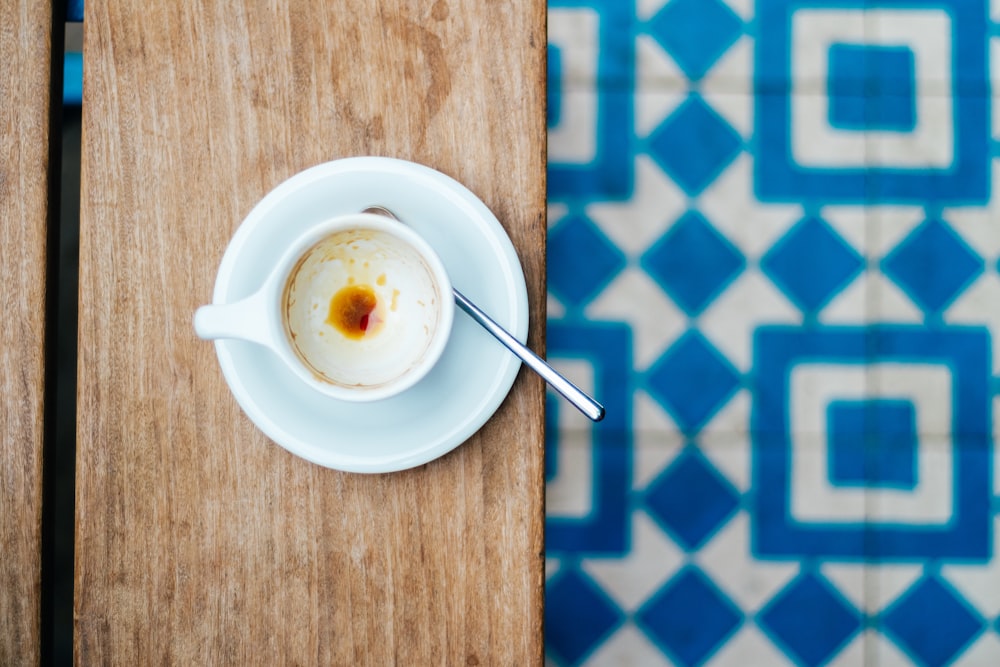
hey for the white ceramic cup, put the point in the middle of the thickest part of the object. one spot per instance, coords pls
(360, 307)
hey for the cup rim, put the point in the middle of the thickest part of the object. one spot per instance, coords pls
(363, 221)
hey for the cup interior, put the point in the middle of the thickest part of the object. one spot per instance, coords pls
(365, 307)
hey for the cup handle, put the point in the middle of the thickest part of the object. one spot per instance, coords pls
(244, 320)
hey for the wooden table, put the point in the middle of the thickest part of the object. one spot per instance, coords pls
(26, 125)
(199, 541)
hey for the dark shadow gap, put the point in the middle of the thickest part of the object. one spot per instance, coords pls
(59, 429)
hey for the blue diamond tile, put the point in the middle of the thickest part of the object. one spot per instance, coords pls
(578, 616)
(689, 618)
(696, 33)
(810, 620)
(581, 260)
(932, 265)
(811, 263)
(692, 500)
(930, 624)
(692, 381)
(693, 263)
(694, 145)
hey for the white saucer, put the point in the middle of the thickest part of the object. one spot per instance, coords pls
(475, 372)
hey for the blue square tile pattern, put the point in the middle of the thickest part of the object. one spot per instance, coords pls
(945, 159)
(872, 88)
(890, 460)
(773, 255)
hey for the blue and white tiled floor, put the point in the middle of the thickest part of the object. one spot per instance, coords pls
(774, 238)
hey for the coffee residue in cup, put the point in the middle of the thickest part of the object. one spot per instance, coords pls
(353, 311)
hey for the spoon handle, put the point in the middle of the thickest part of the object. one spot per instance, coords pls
(569, 391)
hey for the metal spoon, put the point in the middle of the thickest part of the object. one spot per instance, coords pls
(567, 389)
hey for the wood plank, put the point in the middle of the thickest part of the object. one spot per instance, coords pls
(25, 125)
(199, 541)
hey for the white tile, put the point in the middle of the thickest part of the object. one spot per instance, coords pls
(977, 305)
(575, 31)
(555, 309)
(852, 304)
(730, 454)
(884, 653)
(732, 420)
(628, 647)
(736, 107)
(813, 31)
(852, 655)
(655, 70)
(730, 320)
(888, 581)
(748, 648)
(931, 501)
(647, 9)
(728, 560)
(732, 207)
(852, 580)
(656, 440)
(979, 583)
(652, 107)
(632, 579)
(744, 8)
(733, 73)
(555, 212)
(656, 203)
(928, 33)
(984, 652)
(812, 386)
(888, 303)
(889, 225)
(574, 138)
(978, 225)
(929, 145)
(570, 494)
(656, 322)
(851, 223)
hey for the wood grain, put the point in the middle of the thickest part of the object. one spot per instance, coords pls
(199, 541)
(25, 124)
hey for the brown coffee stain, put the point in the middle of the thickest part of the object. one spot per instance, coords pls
(413, 83)
(352, 311)
(431, 55)
(440, 11)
